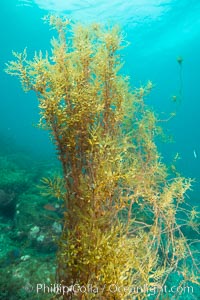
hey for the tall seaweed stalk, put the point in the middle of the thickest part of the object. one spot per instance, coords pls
(120, 225)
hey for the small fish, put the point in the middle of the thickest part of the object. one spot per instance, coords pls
(195, 154)
(49, 207)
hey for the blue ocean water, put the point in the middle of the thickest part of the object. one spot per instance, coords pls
(158, 32)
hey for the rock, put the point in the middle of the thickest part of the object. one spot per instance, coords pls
(7, 203)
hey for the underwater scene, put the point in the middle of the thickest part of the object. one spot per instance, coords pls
(100, 150)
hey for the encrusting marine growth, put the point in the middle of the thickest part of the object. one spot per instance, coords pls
(121, 224)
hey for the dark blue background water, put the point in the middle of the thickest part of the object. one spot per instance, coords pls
(158, 32)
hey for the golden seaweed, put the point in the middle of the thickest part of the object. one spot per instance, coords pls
(121, 226)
